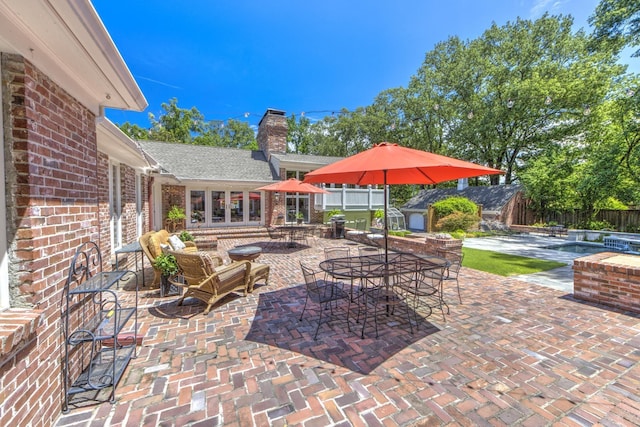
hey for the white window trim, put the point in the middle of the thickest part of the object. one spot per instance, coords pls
(115, 229)
(139, 205)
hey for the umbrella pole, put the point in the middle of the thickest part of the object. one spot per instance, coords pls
(386, 221)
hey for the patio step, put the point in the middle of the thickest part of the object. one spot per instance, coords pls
(207, 238)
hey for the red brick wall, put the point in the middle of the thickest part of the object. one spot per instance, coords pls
(103, 205)
(428, 246)
(272, 134)
(51, 179)
(173, 195)
(612, 284)
(128, 198)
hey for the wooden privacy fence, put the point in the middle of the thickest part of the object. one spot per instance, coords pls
(628, 220)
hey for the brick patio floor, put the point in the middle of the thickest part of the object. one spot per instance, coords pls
(512, 354)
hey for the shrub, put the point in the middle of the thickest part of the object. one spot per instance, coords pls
(400, 233)
(611, 203)
(185, 236)
(598, 225)
(453, 204)
(457, 221)
(458, 234)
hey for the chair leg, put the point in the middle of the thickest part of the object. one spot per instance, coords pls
(315, 337)
(304, 308)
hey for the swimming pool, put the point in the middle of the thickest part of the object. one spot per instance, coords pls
(579, 248)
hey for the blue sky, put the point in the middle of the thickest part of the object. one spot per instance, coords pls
(230, 58)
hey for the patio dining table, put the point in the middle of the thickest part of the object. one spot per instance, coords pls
(377, 276)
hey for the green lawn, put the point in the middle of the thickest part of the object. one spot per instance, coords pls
(505, 264)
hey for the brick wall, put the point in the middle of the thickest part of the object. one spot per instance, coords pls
(428, 246)
(597, 279)
(128, 198)
(104, 214)
(51, 180)
(272, 133)
(173, 195)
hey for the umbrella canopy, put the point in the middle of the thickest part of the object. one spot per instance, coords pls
(387, 163)
(293, 185)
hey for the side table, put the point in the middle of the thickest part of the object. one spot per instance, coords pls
(244, 253)
(133, 248)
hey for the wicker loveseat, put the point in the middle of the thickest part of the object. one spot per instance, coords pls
(152, 243)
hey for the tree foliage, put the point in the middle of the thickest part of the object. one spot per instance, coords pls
(189, 126)
(617, 23)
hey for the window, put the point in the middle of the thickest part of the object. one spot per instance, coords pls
(297, 203)
(198, 213)
(255, 206)
(115, 208)
(139, 211)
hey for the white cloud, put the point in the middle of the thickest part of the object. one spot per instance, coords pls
(541, 6)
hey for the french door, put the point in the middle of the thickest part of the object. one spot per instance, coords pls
(215, 208)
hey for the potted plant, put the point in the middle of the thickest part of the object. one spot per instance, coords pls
(378, 218)
(175, 216)
(168, 266)
(332, 213)
(299, 217)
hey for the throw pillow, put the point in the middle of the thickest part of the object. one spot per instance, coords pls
(154, 246)
(176, 243)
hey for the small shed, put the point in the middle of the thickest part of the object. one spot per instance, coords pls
(497, 202)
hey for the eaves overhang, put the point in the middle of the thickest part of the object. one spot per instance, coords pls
(68, 41)
(118, 146)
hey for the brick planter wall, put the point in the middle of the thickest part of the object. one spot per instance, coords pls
(428, 246)
(605, 279)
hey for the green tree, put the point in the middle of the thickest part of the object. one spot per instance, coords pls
(515, 91)
(189, 126)
(546, 181)
(176, 124)
(617, 23)
(233, 134)
(134, 131)
(299, 138)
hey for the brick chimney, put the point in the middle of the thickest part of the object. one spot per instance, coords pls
(272, 132)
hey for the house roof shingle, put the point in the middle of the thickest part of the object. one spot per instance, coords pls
(492, 198)
(200, 162)
(305, 158)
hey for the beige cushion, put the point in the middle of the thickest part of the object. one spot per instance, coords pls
(210, 263)
(162, 235)
(176, 243)
(154, 246)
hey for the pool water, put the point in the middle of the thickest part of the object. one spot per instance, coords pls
(579, 248)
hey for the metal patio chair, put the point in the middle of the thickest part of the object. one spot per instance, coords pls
(323, 292)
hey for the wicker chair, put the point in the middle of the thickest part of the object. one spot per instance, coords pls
(206, 279)
(151, 244)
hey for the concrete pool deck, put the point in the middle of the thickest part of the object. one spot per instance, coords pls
(533, 247)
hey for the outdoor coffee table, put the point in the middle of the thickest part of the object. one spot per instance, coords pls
(244, 253)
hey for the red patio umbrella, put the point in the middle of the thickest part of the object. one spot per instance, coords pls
(293, 185)
(388, 163)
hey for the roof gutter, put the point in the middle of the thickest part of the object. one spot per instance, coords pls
(68, 41)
